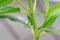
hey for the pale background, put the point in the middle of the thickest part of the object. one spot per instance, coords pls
(16, 31)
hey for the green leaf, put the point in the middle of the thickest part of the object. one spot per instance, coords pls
(50, 21)
(51, 16)
(5, 2)
(9, 10)
(55, 9)
(47, 5)
(14, 18)
(53, 31)
(53, 13)
(56, 12)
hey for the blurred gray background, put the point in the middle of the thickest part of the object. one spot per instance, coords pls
(16, 31)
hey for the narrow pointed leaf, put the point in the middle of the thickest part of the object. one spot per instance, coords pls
(5, 2)
(54, 9)
(14, 18)
(50, 21)
(53, 13)
(8, 10)
(53, 31)
(51, 16)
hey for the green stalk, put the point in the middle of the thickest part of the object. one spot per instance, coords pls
(19, 2)
(30, 5)
(32, 14)
(35, 2)
(43, 25)
(47, 6)
(36, 34)
(36, 38)
(33, 20)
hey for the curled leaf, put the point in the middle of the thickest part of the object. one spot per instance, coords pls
(14, 18)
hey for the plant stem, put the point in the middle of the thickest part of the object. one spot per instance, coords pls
(30, 5)
(35, 2)
(36, 33)
(32, 18)
(43, 25)
(36, 38)
(19, 2)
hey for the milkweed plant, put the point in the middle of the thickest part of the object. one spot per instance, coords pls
(50, 16)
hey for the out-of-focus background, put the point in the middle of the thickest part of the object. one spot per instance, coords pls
(16, 31)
